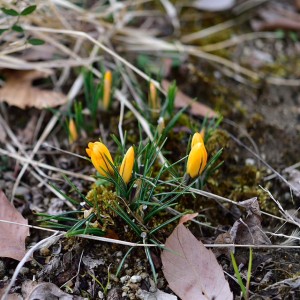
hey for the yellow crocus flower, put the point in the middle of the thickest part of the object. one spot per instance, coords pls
(197, 160)
(107, 89)
(100, 157)
(153, 96)
(127, 165)
(73, 134)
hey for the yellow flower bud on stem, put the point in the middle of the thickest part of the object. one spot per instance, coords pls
(197, 160)
(127, 165)
(107, 89)
(101, 158)
(73, 134)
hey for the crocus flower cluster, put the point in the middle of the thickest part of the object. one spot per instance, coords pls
(197, 158)
(102, 161)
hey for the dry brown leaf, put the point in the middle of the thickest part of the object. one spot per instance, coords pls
(13, 296)
(45, 290)
(12, 236)
(18, 90)
(249, 231)
(196, 108)
(275, 17)
(191, 270)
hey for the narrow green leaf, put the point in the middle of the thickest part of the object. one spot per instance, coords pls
(17, 28)
(28, 10)
(238, 275)
(36, 42)
(10, 12)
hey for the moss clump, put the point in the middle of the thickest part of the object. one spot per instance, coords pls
(103, 200)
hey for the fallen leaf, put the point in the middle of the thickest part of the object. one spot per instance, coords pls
(45, 290)
(249, 231)
(196, 108)
(158, 295)
(224, 238)
(275, 17)
(13, 296)
(213, 5)
(18, 90)
(191, 270)
(12, 236)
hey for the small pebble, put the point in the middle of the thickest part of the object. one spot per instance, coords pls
(124, 278)
(100, 295)
(125, 288)
(133, 286)
(119, 254)
(135, 278)
(114, 278)
(24, 270)
(129, 272)
(144, 275)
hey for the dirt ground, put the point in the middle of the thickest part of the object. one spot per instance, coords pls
(259, 134)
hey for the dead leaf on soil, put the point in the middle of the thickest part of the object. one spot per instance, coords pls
(12, 236)
(45, 290)
(13, 296)
(244, 232)
(249, 231)
(275, 17)
(158, 295)
(18, 90)
(191, 270)
(217, 5)
(196, 108)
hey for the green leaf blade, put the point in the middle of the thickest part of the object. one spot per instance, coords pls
(10, 12)
(17, 28)
(28, 10)
(36, 42)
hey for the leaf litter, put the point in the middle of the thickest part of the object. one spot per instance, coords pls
(18, 90)
(191, 270)
(250, 223)
(13, 236)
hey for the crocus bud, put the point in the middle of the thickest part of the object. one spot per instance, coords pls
(100, 157)
(127, 165)
(197, 138)
(197, 160)
(107, 89)
(153, 96)
(73, 134)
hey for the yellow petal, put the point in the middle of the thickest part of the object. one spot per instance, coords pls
(127, 165)
(197, 160)
(197, 138)
(101, 158)
(88, 151)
